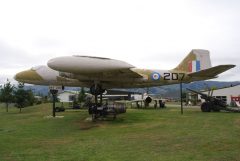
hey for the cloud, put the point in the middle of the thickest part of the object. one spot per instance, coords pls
(47, 43)
(11, 57)
(14, 60)
(148, 34)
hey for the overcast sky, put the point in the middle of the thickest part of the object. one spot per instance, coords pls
(148, 34)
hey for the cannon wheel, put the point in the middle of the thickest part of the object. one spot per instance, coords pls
(206, 107)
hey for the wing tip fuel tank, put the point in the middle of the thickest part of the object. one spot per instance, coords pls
(83, 64)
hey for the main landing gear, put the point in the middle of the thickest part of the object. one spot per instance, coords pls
(97, 109)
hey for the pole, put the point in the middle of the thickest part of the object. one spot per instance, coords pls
(54, 95)
(54, 109)
(181, 97)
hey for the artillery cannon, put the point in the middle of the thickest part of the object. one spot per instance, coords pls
(213, 104)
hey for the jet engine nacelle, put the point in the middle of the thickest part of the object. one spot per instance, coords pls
(120, 109)
(148, 100)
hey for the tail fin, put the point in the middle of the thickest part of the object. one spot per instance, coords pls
(195, 61)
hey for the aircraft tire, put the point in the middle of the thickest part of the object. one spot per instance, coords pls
(206, 107)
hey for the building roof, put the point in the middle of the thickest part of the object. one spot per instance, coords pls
(231, 86)
(70, 92)
(120, 92)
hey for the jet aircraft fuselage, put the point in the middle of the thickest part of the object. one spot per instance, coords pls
(87, 71)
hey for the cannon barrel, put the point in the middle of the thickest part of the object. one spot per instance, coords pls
(202, 94)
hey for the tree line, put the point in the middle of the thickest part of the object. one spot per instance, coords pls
(16, 94)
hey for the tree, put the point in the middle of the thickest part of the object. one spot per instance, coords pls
(6, 94)
(214, 88)
(81, 95)
(23, 97)
(20, 96)
(30, 99)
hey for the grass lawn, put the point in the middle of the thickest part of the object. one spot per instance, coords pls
(138, 135)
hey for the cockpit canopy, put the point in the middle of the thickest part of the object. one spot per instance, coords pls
(38, 67)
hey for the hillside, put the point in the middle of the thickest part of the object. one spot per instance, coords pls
(164, 91)
(173, 90)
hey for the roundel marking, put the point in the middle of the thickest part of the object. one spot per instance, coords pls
(156, 76)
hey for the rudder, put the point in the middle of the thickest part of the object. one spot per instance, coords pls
(196, 60)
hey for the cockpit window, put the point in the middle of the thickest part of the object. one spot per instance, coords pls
(36, 67)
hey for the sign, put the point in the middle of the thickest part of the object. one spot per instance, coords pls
(58, 88)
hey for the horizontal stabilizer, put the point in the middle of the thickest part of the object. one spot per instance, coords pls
(211, 72)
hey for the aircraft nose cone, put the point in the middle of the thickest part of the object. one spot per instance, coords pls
(20, 76)
(27, 76)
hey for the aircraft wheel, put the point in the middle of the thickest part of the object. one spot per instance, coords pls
(206, 107)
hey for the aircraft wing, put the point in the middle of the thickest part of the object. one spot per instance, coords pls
(113, 75)
(211, 72)
(120, 73)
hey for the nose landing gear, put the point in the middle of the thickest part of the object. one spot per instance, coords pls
(97, 109)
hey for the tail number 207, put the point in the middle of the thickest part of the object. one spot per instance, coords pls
(174, 76)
